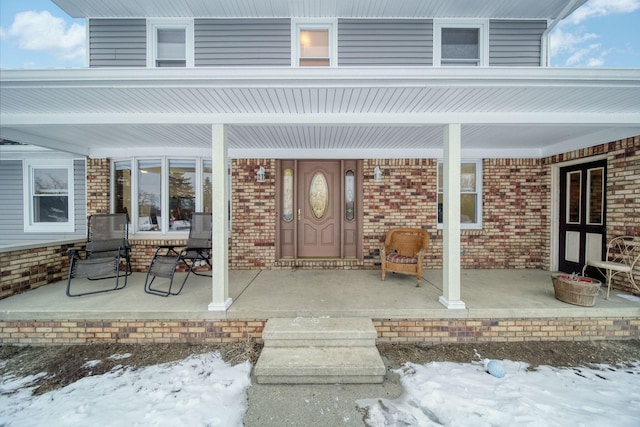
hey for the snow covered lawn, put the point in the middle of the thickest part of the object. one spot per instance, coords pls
(203, 390)
(453, 394)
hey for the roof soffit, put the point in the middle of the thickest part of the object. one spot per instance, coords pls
(195, 95)
(499, 9)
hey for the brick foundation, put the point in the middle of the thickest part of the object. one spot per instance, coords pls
(506, 330)
(430, 331)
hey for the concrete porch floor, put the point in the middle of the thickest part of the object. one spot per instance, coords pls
(312, 293)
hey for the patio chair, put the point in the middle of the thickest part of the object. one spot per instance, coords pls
(167, 258)
(623, 255)
(107, 248)
(403, 251)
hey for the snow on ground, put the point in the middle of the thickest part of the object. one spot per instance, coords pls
(203, 390)
(453, 394)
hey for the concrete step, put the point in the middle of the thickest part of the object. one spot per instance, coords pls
(320, 365)
(319, 332)
(319, 351)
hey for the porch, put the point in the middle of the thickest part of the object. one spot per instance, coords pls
(487, 294)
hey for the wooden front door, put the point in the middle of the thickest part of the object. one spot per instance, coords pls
(582, 215)
(319, 209)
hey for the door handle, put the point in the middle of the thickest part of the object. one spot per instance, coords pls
(298, 214)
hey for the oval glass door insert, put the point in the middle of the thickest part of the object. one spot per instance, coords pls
(319, 195)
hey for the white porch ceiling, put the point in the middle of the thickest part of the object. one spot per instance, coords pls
(281, 113)
(497, 9)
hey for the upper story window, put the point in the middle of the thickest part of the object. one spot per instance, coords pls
(460, 43)
(315, 44)
(49, 202)
(470, 194)
(170, 43)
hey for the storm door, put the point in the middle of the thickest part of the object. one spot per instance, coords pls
(319, 209)
(582, 215)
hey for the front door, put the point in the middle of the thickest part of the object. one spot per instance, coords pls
(318, 209)
(582, 215)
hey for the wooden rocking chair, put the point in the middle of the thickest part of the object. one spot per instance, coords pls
(403, 251)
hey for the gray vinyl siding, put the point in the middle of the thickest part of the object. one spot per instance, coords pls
(12, 206)
(242, 42)
(117, 43)
(385, 42)
(11, 212)
(515, 43)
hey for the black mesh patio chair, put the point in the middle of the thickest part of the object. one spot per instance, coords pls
(106, 251)
(167, 258)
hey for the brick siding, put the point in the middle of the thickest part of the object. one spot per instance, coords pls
(432, 331)
(253, 211)
(28, 269)
(98, 186)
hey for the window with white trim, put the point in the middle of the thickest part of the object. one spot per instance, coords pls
(159, 194)
(314, 44)
(470, 194)
(460, 43)
(170, 43)
(48, 196)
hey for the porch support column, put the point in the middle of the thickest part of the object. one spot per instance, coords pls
(451, 218)
(220, 189)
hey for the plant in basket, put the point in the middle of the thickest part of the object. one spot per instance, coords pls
(576, 289)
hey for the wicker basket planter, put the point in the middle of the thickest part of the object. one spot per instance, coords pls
(574, 289)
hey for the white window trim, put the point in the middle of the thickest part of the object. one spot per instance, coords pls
(164, 199)
(27, 178)
(303, 24)
(481, 25)
(152, 43)
(479, 176)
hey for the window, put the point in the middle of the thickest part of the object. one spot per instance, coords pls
(160, 194)
(149, 195)
(470, 194)
(170, 43)
(49, 203)
(122, 191)
(314, 45)
(460, 43)
(182, 193)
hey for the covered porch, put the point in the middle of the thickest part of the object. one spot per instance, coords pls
(487, 294)
(500, 305)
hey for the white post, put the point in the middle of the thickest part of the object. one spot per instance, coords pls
(451, 218)
(220, 256)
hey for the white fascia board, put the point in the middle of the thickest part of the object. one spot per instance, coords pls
(19, 120)
(316, 77)
(432, 153)
(110, 152)
(23, 136)
(595, 138)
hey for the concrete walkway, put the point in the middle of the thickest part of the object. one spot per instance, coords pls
(315, 405)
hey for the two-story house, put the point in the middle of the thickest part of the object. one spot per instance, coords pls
(310, 127)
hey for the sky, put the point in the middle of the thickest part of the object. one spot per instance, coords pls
(602, 33)
(203, 390)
